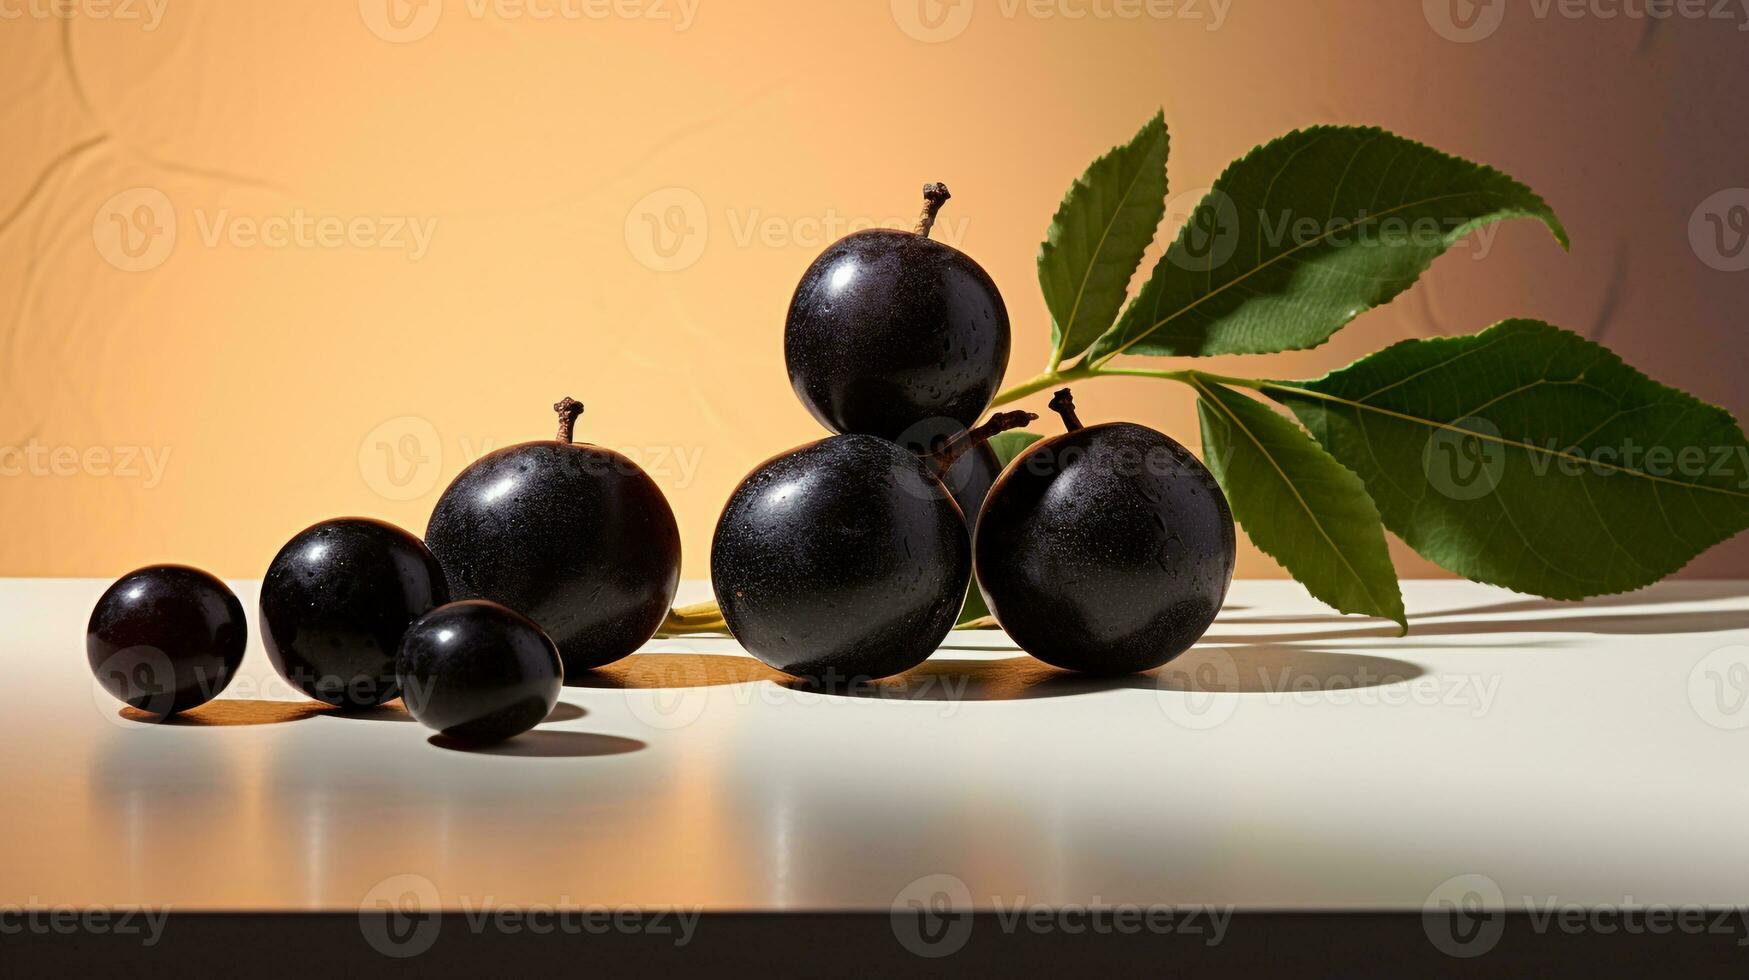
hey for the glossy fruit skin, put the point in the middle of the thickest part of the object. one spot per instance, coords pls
(335, 603)
(478, 672)
(575, 537)
(1107, 550)
(166, 638)
(970, 479)
(840, 560)
(888, 328)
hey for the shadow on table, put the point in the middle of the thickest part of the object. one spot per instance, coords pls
(563, 711)
(659, 671)
(230, 712)
(1240, 668)
(397, 711)
(548, 744)
(1251, 668)
(387, 711)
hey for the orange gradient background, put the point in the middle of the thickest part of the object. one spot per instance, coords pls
(506, 203)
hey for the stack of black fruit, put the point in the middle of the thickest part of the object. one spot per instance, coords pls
(1107, 549)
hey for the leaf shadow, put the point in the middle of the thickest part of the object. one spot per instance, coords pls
(1636, 624)
(1625, 614)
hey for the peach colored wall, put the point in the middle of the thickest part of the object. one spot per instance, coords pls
(387, 235)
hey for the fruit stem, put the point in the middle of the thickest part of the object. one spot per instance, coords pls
(1063, 404)
(943, 459)
(934, 196)
(568, 408)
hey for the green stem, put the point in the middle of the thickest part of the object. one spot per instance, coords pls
(1049, 379)
(1052, 379)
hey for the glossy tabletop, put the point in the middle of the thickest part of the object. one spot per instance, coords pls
(1588, 753)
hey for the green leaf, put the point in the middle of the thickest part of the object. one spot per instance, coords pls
(1298, 504)
(1304, 234)
(1529, 457)
(1097, 238)
(1010, 444)
(1007, 446)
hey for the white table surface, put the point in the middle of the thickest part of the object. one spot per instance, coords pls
(1589, 754)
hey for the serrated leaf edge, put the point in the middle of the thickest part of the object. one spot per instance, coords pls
(1545, 214)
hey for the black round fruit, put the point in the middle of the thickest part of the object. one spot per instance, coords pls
(1107, 549)
(335, 603)
(478, 672)
(889, 328)
(847, 558)
(575, 537)
(166, 638)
